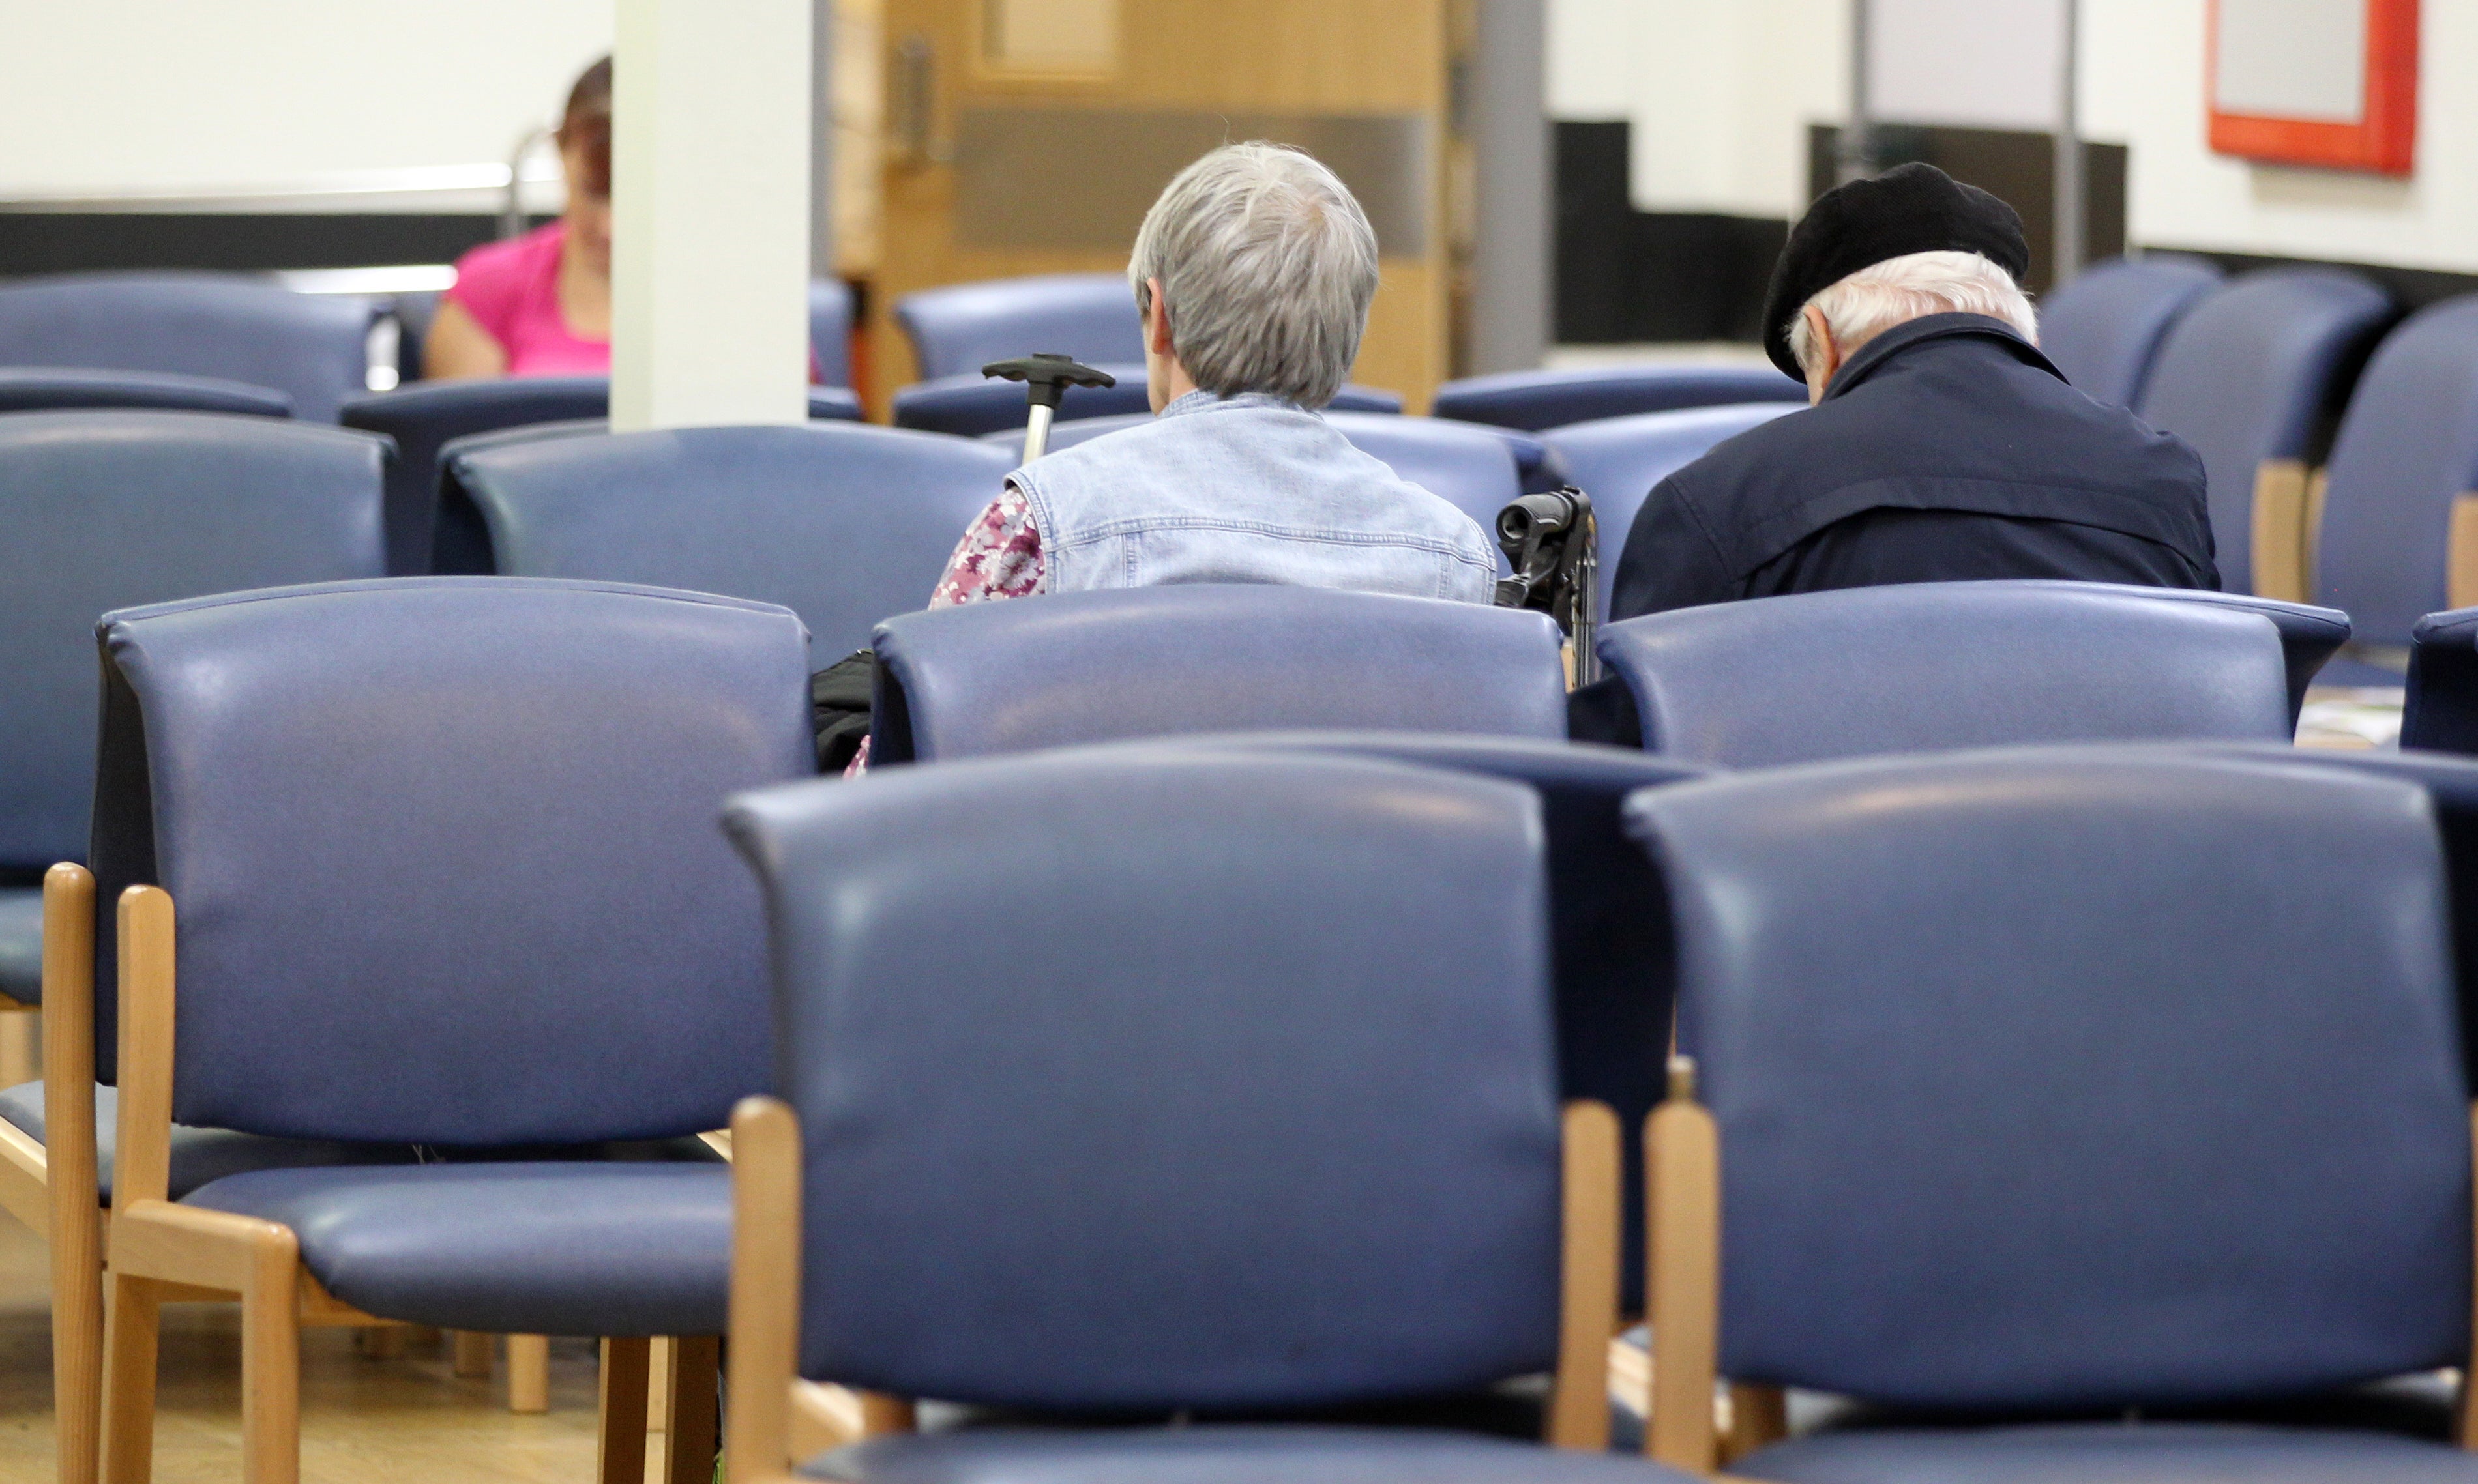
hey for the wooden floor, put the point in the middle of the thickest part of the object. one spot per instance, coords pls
(363, 1418)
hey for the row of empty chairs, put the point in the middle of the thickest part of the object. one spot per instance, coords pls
(971, 1236)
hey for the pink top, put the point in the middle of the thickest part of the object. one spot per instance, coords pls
(511, 290)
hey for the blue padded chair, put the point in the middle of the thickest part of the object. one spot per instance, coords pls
(960, 328)
(830, 324)
(2060, 1082)
(457, 544)
(314, 348)
(2248, 376)
(393, 957)
(413, 310)
(2104, 328)
(1617, 461)
(1933, 666)
(841, 523)
(105, 509)
(1537, 401)
(1328, 972)
(1454, 460)
(971, 405)
(2401, 479)
(1206, 656)
(42, 390)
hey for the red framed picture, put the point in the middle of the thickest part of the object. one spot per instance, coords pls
(2331, 82)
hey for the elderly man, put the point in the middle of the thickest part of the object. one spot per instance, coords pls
(1941, 446)
(1253, 274)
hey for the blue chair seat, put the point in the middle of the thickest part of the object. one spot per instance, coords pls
(46, 389)
(533, 1248)
(2108, 1454)
(1235, 1454)
(21, 944)
(199, 1155)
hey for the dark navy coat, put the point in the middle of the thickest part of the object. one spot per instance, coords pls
(1947, 448)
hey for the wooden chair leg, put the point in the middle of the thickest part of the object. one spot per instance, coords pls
(270, 1372)
(696, 1413)
(133, 1313)
(380, 1342)
(658, 1383)
(77, 1343)
(622, 1453)
(471, 1351)
(528, 1373)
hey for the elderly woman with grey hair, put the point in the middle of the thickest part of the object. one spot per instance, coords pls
(1253, 274)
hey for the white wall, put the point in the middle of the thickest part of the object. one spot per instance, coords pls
(100, 97)
(1720, 94)
(2143, 85)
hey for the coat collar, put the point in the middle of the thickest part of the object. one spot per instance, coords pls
(1933, 327)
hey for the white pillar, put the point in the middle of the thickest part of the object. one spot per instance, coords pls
(710, 225)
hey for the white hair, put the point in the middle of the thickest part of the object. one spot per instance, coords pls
(1267, 267)
(1881, 295)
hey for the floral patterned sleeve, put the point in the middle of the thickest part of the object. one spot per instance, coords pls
(999, 557)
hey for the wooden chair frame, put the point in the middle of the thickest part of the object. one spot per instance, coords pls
(779, 1420)
(1683, 1147)
(157, 1251)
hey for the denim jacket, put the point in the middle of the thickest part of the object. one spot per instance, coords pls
(1247, 489)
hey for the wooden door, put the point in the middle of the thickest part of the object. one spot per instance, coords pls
(1030, 136)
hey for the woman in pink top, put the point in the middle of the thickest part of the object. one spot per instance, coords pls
(540, 305)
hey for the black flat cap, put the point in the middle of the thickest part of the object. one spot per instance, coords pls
(1910, 208)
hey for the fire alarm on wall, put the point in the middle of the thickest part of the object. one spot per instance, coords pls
(2331, 82)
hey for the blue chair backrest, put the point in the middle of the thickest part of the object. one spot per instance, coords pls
(960, 328)
(59, 389)
(1931, 666)
(314, 348)
(2104, 328)
(1478, 470)
(460, 543)
(105, 509)
(1148, 662)
(1617, 461)
(971, 405)
(843, 523)
(444, 855)
(830, 324)
(2056, 1079)
(424, 417)
(1537, 401)
(2451, 785)
(2407, 448)
(1310, 1154)
(2249, 373)
(2441, 708)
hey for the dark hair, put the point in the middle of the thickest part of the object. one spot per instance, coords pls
(585, 126)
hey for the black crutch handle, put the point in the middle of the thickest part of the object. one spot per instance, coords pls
(1048, 376)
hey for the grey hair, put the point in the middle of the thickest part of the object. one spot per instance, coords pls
(1871, 301)
(1267, 267)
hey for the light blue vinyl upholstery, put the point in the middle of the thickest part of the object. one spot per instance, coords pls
(1934, 665)
(1992, 1140)
(2250, 373)
(1617, 461)
(2104, 330)
(972, 405)
(1539, 401)
(958, 329)
(37, 390)
(314, 348)
(1145, 662)
(843, 523)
